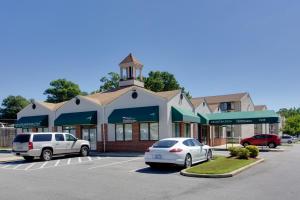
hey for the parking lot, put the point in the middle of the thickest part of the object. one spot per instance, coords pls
(127, 177)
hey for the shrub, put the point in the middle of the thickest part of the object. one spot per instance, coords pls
(253, 151)
(234, 151)
(243, 153)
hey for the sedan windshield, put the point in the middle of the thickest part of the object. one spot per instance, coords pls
(165, 144)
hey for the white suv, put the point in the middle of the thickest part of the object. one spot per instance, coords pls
(45, 145)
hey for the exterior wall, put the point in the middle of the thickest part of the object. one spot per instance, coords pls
(39, 110)
(84, 106)
(202, 109)
(247, 130)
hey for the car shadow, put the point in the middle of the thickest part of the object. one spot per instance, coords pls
(163, 169)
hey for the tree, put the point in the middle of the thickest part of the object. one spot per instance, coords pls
(292, 125)
(158, 81)
(109, 83)
(12, 105)
(61, 90)
(289, 112)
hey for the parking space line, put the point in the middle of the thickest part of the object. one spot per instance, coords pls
(5, 166)
(29, 166)
(57, 162)
(69, 161)
(90, 159)
(17, 166)
(79, 159)
(114, 163)
(43, 165)
(99, 158)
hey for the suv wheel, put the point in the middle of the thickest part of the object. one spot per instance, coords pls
(272, 145)
(188, 161)
(246, 144)
(46, 155)
(84, 151)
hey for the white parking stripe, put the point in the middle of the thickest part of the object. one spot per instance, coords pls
(79, 159)
(17, 166)
(90, 159)
(5, 166)
(69, 161)
(43, 165)
(29, 166)
(57, 162)
(115, 163)
(99, 158)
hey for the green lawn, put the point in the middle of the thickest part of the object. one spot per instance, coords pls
(220, 165)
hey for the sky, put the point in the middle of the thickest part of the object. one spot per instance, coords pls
(212, 47)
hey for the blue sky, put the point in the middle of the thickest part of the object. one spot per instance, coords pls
(212, 47)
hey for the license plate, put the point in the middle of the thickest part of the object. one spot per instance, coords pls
(157, 156)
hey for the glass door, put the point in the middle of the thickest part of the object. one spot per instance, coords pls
(90, 134)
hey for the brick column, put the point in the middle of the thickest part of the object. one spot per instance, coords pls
(136, 132)
(34, 130)
(78, 131)
(54, 129)
(181, 129)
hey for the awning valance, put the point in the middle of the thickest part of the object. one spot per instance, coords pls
(183, 115)
(77, 118)
(203, 118)
(251, 117)
(32, 122)
(130, 115)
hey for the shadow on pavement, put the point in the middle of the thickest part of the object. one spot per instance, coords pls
(160, 170)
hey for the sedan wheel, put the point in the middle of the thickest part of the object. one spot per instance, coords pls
(209, 155)
(188, 161)
(46, 155)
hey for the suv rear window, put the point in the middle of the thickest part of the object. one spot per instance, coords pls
(165, 144)
(22, 138)
(42, 138)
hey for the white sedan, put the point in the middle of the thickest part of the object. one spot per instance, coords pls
(180, 151)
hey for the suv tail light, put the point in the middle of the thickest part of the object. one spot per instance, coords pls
(176, 150)
(30, 145)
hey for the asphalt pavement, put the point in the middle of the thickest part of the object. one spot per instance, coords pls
(113, 177)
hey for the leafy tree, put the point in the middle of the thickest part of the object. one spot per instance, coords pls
(12, 105)
(109, 83)
(292, 125)
(61, 90)
(289, 112)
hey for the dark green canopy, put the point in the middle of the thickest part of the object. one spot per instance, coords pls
(77, 118)
(32, 122)
(250, 117)
(130, 115)
(183, 115)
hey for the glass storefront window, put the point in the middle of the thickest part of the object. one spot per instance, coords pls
(119, 132)
(144, 131)
(154, 131)
(187, 130)
(69, 129)
(128, 132)
(175, 130)
(43, 130)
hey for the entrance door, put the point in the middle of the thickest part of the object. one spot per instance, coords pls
(90, 134)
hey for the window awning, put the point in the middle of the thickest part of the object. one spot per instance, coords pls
(251, 117)
(183, 115)
(130, 115)
(77, 118)
(32, 122)
(203, 118)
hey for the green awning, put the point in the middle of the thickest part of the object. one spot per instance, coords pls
(32, 122)
(77, 118)
(203, 118)
(183, 115)
(130, 115)
(251, 117)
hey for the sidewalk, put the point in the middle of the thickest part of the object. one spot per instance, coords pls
(9, 158)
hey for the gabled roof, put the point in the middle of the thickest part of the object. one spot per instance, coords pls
(213, 107)
(52, 106)
(260, 107)
(130, 59)
(225, 98)
(168, 94)
(197, 101)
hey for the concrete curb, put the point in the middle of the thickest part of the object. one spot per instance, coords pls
(227, 175)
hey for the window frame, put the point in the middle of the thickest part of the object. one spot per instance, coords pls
(149, 131)
(123, 132)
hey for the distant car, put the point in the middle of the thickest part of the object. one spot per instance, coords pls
(45, 145)
(288, 139)
(269, 140)
(179, 151)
